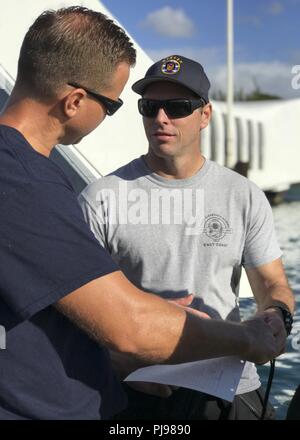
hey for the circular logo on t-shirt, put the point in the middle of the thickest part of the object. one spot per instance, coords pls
(216, 227)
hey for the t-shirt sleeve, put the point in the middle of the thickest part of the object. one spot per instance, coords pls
(261, 246)
(46, 249)
(95, 216)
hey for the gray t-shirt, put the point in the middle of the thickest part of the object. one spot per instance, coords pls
(178, 236)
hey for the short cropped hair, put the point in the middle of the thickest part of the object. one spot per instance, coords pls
(72, 44)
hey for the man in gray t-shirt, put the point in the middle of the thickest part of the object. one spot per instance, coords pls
(178, 223)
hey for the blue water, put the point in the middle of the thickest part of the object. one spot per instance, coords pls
(287, 372)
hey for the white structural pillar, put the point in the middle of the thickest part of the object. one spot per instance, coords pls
(244, 150)
(230, 84)
(206, 142)
(219, 138)
(254, 146)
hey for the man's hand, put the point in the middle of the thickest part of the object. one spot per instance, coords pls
(274, 315)
(185, 302)
(124, 365)
(266, 340)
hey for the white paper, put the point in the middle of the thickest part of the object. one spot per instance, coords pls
(219, 377)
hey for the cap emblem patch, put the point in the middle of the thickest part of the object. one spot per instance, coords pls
(170, 67)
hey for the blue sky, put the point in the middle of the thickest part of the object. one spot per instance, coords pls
(267, 40)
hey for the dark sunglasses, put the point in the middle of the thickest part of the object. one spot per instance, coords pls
(110, 105)
(175, 108)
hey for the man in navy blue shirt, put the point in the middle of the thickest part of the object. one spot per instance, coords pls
(63, 301)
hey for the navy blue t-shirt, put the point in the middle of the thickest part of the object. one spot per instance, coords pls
(50, 369)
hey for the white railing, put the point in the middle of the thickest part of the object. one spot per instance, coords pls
(6, 80)
(247, 141)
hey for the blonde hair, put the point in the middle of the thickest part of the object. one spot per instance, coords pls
(72, 44)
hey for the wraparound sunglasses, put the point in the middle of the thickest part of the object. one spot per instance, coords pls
(110, 105)
(175, 108)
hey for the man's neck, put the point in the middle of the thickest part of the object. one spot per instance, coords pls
(33, 122)
(181, 167)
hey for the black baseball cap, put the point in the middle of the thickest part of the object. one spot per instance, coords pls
(176, 69)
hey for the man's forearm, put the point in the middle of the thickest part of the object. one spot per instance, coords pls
(277, 296)
(204, 339)
(163, 339)
(270, 286)
(117, 314)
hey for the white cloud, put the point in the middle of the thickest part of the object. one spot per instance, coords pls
(271, 77)
(170, 22)
(275, 8)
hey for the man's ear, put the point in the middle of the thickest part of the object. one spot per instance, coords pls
(73, 102)
(206, 114)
